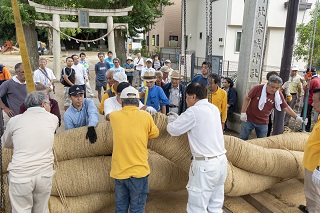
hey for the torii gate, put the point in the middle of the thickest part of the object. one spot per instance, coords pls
(56, 24)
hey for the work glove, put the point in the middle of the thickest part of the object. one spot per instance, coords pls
(243, 117)
(91, 134)
(151, 110)
(172, 116)
(300, 120)
(316, 177)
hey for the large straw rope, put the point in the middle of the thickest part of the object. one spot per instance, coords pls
(83, 171)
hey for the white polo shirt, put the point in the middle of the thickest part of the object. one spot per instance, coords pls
(202, 123)
(81, 74)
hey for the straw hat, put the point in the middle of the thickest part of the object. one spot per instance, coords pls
(175, 74)
(164, 69)
(149, 76)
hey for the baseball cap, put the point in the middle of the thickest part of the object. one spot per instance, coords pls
(129, 92)
(75, 90)
(294, 67)
(129, 58)
(167, 61)
(120, 77)
(149, 59)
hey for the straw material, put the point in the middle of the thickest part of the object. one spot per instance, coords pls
(83, 183)
(292, 141)
(6, 158)
(256, 159)
(73, 144)
(240, 182)
(81, 204)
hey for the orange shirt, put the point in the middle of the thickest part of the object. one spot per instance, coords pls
(5, 74)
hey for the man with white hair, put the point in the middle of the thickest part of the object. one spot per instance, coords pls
(31, 137)
(44, 75)
(294, 88)
(132, 128)
(147, 68)
(118, 78)
(259, 103)
(138, 66)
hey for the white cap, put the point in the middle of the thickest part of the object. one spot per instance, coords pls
(294, 67)
(129, 92)
(120, 77)
(149, 59)
(129, 58)
(167, 61)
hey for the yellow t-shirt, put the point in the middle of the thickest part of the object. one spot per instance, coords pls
(132, 128)
(311, 157)
(104, 97)
(220, 100)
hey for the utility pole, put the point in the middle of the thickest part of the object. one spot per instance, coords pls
(289, 35)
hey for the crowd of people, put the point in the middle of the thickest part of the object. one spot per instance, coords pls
(131, 94)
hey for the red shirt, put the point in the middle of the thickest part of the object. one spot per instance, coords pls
(314, 83)
(261, 116)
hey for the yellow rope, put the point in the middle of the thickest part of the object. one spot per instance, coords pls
(23, 46)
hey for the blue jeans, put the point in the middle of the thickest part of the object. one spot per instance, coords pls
(248, 126)
(133, 192)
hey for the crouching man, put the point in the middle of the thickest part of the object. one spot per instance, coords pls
(132, 128)
(31, 136)
(208, 170)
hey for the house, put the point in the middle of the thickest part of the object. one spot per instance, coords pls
(167, 30)
(227, 16)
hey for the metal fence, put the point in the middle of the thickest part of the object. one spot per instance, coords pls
(229, 68)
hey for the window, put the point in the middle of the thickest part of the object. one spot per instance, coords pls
(147, 40)
(200, 35)
(157, 41)
(153, 40)
(173, 38)
(238, 41)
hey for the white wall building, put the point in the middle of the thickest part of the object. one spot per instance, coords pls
(227, 16)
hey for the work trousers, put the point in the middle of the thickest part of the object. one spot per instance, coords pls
(89, 90)
(206, 185)
(309, 111)
(291, 103)
(30, 195)
(312, 192)
(137, 78)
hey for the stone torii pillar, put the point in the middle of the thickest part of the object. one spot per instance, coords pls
(56, 45)
(111, 44)
(56, 24)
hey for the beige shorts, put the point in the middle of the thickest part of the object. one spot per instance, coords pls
(67, 101)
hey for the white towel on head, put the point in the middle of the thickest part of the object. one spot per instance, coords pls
(263, 99)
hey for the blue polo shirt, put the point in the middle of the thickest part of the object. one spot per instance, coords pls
(87, 116)
(199, 78)
(156, 98)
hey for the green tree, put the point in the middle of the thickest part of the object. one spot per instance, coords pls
(140, 19)
(302, 48)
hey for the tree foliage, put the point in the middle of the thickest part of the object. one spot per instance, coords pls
(140, 19)
(303, 47)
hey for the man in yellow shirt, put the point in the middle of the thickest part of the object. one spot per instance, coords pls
(311, 162)
(295, 88)
(117, 78)
(219, 96)
(132, 128)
